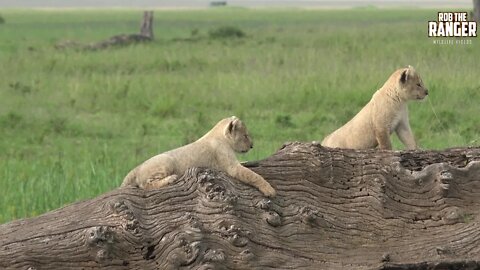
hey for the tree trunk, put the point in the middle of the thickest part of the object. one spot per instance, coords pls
(476, 10)
(335, 209)
(146, 28)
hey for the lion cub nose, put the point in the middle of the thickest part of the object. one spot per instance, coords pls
(426, 92)
(251, 146)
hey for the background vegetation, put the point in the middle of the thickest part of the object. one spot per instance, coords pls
(73, 123)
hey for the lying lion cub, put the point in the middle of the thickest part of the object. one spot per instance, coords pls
(386, 112)
(216, 150)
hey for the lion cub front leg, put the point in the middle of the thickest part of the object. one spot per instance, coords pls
(383, 138)
(247, 176)
(155, 183)
(404, 133)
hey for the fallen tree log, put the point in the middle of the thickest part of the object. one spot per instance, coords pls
(146, 34)
(335, 209)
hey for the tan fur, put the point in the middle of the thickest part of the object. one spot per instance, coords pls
(385, 113)
(216, 150)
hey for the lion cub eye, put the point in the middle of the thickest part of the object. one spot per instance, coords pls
(419, 85)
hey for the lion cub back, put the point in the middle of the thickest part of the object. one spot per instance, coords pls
(216, 149)
(384, 113)
(355, 134)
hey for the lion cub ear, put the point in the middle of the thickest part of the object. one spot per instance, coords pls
(408, 72)
(404, 76)
(231, 125)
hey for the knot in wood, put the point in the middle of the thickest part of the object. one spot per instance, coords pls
(187, 247)
(100, 236)
(443, 183)
(273, 218)
(309, 215)
(212, 187)
(214, 255)
(386, 257)
(194, 222)
(446, 175)
(265, 204)
(420, 182)
(149, 251)
(205, 176)
(234, 234)
(380, 182)
(442, 250)
(121, 208)
(185, 255)
(191, 251)
(238, 241)
(118, 206)
(215, 190)
(246, 255)
(453, 215)
(132, 225)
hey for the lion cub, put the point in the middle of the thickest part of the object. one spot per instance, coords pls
(385, 113)
(216, 150)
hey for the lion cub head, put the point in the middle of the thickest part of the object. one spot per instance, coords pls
(237, 135)
(412, 85)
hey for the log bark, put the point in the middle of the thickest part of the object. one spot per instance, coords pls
(335, 209)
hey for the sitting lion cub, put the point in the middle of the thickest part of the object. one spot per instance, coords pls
(386, 112)
(216, 150)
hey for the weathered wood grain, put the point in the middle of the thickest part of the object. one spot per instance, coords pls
(335, 209)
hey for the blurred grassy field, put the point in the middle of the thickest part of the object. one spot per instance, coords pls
(73, 123)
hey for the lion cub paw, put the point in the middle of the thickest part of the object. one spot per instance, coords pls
(170, 179)
(268, 190)
(159, 183)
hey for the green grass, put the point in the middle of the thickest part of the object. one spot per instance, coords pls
(73, 123)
